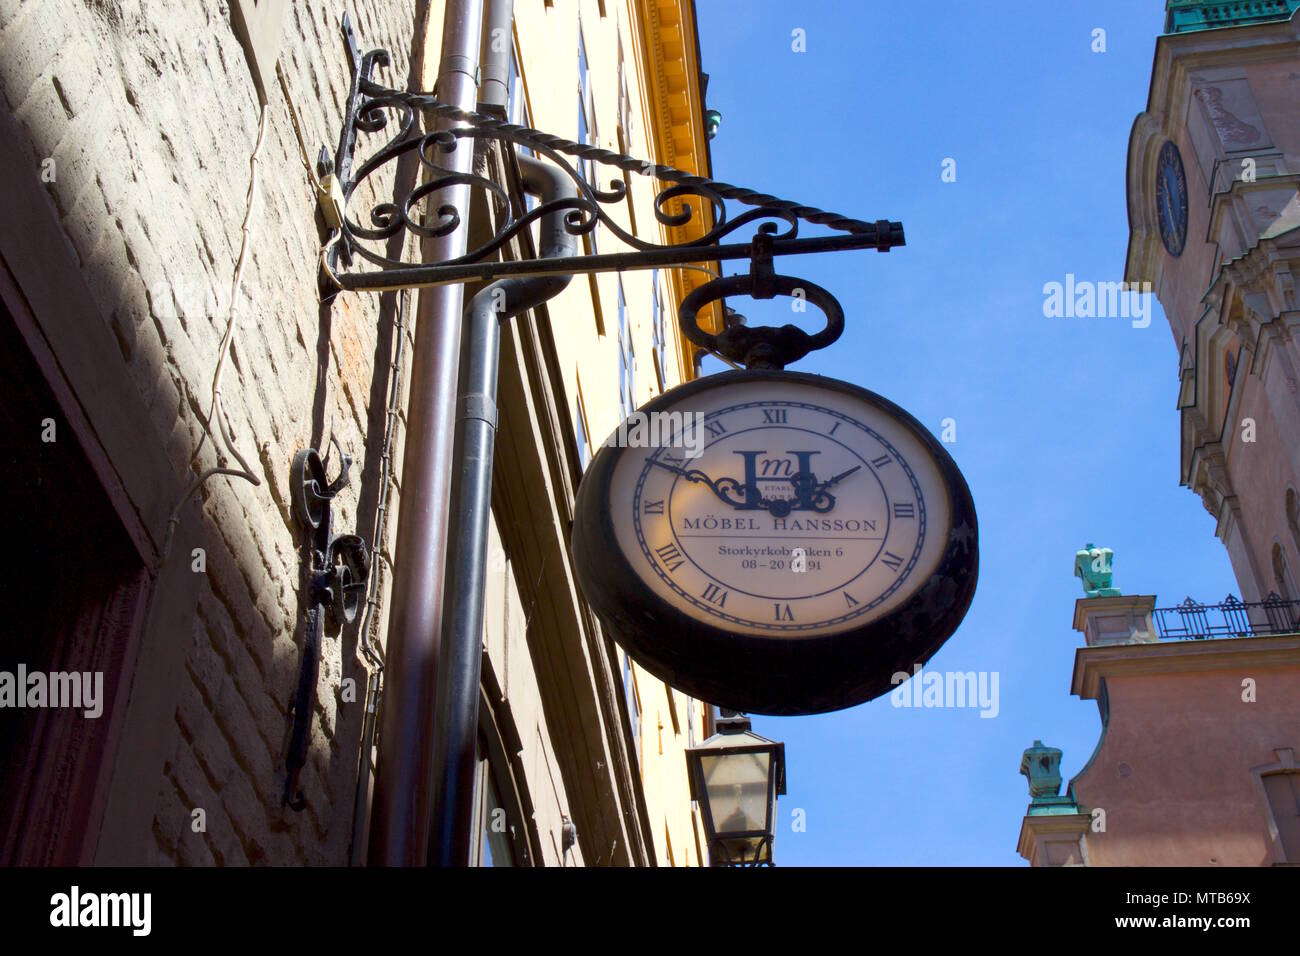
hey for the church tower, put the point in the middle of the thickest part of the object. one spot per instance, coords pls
(1196, 761)
(1214, 227)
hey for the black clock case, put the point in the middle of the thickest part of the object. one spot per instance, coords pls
(754, 673)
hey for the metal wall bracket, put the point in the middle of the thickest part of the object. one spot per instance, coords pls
(683, 197)
(338, 573)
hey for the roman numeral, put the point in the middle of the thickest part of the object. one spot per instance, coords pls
(715, 428)
(833, 427)
(848, 599)
(892, 561)
(783, 612)
(880, 462)
(654, 507)
(671, 557)
(673, 460)
(774, 416)
(715, 595)
(904, 511)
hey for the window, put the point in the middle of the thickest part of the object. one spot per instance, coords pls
(587, 168)
(1293, 517)
(626, 358)
(1283, 793)
(695, 832)
(503, 825)
(1282, 575)
(517, 113)
(1284, 587)
(496, 843)
(586, 127)
(625, 132)
(657, 317)
(624, 99)
(633, 703)
(583, 436)
(516, 105)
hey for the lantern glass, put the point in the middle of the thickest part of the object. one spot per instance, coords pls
(736, 786)
(736, 776)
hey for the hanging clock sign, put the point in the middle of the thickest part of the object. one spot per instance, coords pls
(776, 542)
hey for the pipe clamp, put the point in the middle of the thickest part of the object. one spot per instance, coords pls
(480, 406)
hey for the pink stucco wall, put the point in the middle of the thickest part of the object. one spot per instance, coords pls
(1173, 770)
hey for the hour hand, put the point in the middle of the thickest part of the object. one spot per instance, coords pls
(720, 487)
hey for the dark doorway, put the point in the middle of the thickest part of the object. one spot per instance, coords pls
(73, 591)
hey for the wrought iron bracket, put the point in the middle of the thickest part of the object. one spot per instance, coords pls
(337, 574)
(721, 858)
(681, 199)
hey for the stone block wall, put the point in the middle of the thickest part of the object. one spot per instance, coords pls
(141, 116)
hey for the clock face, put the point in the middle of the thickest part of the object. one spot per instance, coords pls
(1171, 199)
(806, 511)
(758, 516)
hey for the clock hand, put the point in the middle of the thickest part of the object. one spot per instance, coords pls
(718, 487)
(817, 499)
(1169, 203)
(814, 496)
(838, 478)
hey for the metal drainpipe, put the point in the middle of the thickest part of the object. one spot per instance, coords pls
(400, 822)
(494, 61)
(471, 509)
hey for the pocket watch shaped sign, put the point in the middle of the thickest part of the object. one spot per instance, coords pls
(776, 542)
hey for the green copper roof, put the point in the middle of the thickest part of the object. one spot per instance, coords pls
(1183, 16)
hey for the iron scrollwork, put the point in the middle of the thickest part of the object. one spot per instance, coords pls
(338, 575)
(407, 118)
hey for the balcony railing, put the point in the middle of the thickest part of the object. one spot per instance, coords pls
(1191, 620)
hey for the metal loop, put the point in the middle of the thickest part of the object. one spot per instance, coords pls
(307, 486)
(351, 573)
(763, 346)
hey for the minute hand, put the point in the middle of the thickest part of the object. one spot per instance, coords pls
(718, 487)
(822, 501)
(838, 478)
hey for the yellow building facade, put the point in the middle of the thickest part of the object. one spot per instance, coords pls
(626, 76)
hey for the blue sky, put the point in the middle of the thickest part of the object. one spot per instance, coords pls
(1066, 428)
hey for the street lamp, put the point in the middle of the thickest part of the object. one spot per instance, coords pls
(736, 776)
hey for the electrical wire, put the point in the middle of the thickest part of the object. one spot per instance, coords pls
(368, 641)
(313, 176)
(297, 130)
(335, 236)
(216, 414)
